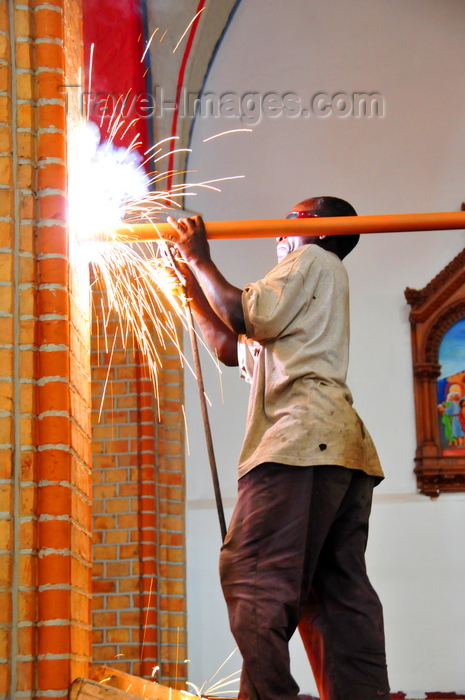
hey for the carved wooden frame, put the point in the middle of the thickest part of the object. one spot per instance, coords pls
(434, 309)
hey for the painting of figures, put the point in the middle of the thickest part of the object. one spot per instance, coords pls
(451, 391)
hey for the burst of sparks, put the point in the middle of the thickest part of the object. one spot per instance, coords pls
(188, 448)
(148, 44)
(217, 360)
(91, 60)
(107, 184)
(134, 282)
(222, 682)
(145, 626)
(102, 179)
(197, 690)
(187, 28)
(223, 133)
(109, 188)
(177, 660)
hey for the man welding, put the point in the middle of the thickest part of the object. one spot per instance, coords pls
(294, 552)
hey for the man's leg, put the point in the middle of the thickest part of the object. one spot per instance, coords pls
(342, 626)
(267, 564)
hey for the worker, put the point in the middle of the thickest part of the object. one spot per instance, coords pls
(294, 553)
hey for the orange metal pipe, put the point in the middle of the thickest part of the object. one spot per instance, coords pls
(270, 228)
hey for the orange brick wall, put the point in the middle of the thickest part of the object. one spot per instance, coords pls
(139, 616)
(45, 429)
(44, 365)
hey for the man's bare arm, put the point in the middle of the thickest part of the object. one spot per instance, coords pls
(225, 299)
(220, 339)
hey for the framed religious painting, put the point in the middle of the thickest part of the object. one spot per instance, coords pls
(437, 320)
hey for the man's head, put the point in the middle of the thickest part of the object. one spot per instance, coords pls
(316, 207)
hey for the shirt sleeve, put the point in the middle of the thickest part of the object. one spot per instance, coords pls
(271, 304)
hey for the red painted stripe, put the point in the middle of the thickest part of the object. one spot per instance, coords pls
(182, 70)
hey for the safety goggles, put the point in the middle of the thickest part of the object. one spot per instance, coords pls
(301, 215)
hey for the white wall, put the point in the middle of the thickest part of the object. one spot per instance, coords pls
(412, 159)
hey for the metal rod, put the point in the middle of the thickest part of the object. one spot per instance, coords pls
(270, 228)
(206, 421)
(171, 261)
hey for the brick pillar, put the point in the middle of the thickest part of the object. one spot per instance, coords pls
(138, 508)
(44, 364)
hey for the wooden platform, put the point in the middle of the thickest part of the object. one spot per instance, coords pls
(110, 684)
(85, 689)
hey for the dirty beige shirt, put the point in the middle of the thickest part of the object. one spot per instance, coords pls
(295, 355)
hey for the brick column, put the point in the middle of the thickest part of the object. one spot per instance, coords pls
(138, 508)
(44, 364)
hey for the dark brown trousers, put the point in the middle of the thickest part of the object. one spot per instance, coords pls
(294, 556)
